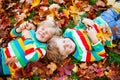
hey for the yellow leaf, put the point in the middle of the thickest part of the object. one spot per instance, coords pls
(73, 8)
(35, 3)
(75, 69)
(66, 12)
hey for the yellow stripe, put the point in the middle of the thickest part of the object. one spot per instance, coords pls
(12, 35)
(28, 46)
(5, 53)
(21, 43)
(92, 58)
(101, 52)
(12, 71)
(39, 54)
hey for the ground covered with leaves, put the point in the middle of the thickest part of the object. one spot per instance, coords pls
(67, 14)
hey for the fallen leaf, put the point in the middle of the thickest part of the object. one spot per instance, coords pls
(35, 3)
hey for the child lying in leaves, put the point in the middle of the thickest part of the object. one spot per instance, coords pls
(29, 45)
(83, 42)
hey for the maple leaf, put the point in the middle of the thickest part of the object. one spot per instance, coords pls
(66, 69)
(35, 3)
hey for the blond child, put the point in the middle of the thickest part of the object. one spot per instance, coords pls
(85, 44)
(29, 45)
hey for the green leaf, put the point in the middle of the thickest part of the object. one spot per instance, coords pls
(92, 2)
(61, 8)
(12, 19)
(74, 61)
(74, 76)
(113, 57)
(34, 77)
(69, 25)
(32, 13)
(50, 2)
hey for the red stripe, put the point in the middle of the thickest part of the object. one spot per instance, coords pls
(7, 53)
(22, 38)
(9, 56)
(103, 55)
(83, 39)
(40, 51)
(96, 28)
(29, 51)
(88, 57)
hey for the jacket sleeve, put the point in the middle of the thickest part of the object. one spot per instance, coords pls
(32, 52)
(80, 26)
(13, 33)
(98, 52)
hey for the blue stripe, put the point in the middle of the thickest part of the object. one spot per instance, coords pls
(15, 33)
(21, 54)
(5, 67)
(98, 47)
(96, 56)
(1, 70)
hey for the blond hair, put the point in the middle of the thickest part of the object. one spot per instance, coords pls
(52, 24)
(53, 53)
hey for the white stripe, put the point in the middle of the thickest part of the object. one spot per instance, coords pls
(29, 56)
(43, 52)
(12, 55)
(80, 43)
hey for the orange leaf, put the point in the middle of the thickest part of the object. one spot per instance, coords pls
(35, 3)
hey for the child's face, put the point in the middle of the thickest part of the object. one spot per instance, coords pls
(65, 45)
(44, 33)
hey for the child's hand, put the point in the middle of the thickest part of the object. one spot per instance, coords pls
(26, 34)
(92, 34)
(88, 22)
(11, 61)
(21, 27)
(26, 25)
(30, 26)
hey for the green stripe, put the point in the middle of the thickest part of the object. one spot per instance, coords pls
(19, 53)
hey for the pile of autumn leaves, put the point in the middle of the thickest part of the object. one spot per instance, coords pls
(67, 13)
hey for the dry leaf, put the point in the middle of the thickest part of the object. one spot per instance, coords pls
(35, 3)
